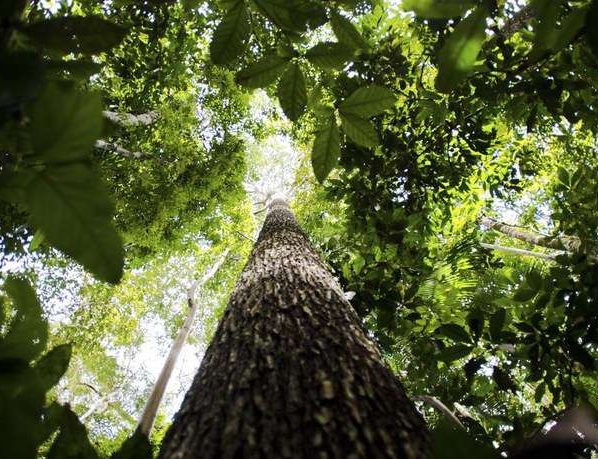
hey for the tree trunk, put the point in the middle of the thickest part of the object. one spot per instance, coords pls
(113, 148)
(131, 120)
(290, 371)
(150, 411)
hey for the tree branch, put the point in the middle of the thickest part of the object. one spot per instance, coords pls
(153, 403)
(114, 148)
(131, 120)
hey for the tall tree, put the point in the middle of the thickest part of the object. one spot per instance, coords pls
(290, 371)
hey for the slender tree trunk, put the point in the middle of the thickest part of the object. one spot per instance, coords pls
(153, 403)
(565, 243)
(290, 371)
(114, 148)
(515, 251)
(131, 120)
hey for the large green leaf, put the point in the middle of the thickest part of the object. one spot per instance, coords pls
(360, 130)
(137, 446)
(53, 365)
(72, 441)
(69, 204)
(28, 330)
(450, 441)
(329, 55)
(231, 35)
(453, 331)
(292, 93)
(263, 72)
(459, 54)
(292, 15)
(591, 20)
(326, 149)
(368, 101)
(346, 32)
(64, 124)
(75, 34)
(20, 79)
(437, 9)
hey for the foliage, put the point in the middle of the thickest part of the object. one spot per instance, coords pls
(413, 122)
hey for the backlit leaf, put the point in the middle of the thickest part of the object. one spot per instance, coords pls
(437, 9)
(65, 124)
(292, 93)
(75, 34)
(28, 330)
(459, 54)
(326, 149)
(53, 365)
(346, 32)
(231, 35)
(71, 207)
(359, 130)
(329, 55)
(368, 101)
(263, 72)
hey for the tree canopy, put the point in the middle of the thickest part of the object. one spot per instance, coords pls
(441, 155)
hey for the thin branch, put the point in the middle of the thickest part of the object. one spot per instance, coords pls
(516, 251)
(114, 148)
(433, 401)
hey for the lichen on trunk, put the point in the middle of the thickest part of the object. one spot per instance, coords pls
(290, 371)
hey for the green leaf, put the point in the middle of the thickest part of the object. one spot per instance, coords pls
(450, 442)
(80, 69)
(453, 331)
(329, 55)
(451, 353)
(534, 280)
(75, 34)
(292, 15)
(360, 130)
(524, 294)
(20, 79)
(368, 101)
(53, 365)
(28, 330)
(64, 124)
(72, 441)
(231, 35)
(503, 380)
(36, 241)
(459, 54)
(326, 149)
(263, 72)
(591, 20)
(10, 9)
(137, 446)
(497, 322)
(346, 32)
(581, 355)
(437, 9)
(292, 93)
(70, 205)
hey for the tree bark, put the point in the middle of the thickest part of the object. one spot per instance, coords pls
(114, 148)
(131, 120)
(515, 251)
(153, 403)
(566, 243)
(290, 371)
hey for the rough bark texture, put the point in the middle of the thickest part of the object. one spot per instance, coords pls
(290, 371)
